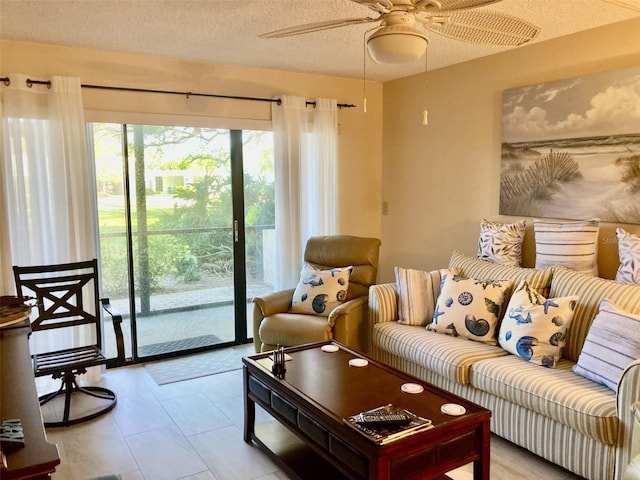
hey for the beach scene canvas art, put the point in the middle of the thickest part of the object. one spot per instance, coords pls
(571, 148)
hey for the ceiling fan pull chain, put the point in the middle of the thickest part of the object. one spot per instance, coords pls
(425, 113)
(364, 70)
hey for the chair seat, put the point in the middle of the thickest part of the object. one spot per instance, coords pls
(72, 359)
(294, 329)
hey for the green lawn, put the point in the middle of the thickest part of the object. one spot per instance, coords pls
(114, 220)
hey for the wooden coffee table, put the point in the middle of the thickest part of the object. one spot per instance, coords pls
(320, 389)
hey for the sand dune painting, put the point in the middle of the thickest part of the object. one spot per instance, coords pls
(571, 148)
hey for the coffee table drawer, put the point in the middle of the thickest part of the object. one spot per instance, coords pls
(347, 455)
(410, 466)
(313, 430)
(260, 390)
(284, 408)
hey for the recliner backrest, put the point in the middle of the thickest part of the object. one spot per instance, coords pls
(325, 252)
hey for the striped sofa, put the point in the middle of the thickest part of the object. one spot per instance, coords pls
(556, 414)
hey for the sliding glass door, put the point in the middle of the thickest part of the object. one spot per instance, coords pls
(185, 215)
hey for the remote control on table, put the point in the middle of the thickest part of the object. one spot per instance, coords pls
(383, 418)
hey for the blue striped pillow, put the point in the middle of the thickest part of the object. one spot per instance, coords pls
(573, 244)
(417, 294)
(612, 343)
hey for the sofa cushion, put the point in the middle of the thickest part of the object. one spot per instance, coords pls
(447, 356)
(570, 244)
(591, 291)
(417, 294)
(534, 327)
(613, 342)
(320, 291)
(556, 393)
(629, 254)
(470, 308)
(470, 267)
(501, 242)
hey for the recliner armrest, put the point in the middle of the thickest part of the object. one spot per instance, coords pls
(346, 308)
(276, 302)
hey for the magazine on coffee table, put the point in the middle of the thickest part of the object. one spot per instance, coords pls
(400, 424)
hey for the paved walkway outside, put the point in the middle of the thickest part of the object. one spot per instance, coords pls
(211, 321)
(189, 298)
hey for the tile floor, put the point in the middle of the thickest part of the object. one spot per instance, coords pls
(192, 430)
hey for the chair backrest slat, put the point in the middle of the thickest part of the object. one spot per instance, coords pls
(66, 294)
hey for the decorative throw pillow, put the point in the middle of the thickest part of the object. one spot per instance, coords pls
(501, 242)
(320, 291)
(417, 294)
(535, 328)
(629, 253)
(612, 343)
(470, 308)
(472, 267)
(571, 244)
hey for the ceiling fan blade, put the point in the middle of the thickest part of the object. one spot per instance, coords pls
(631, 4)
(482, 27)
(380, 6)
(451, 5)
(317, 27)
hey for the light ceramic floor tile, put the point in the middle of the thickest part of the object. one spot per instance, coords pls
(94, 448)
(222, 385)
(229, 457)
(200, 476)
(136, 475)
(165, 454)
(173, 390)
(195, 414)
(140, 413)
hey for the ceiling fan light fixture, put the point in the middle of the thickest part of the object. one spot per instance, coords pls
(397, 44)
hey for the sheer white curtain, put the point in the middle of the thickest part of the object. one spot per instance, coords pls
(47, 211)
(306, 171)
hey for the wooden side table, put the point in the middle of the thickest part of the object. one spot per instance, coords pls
(19, 399)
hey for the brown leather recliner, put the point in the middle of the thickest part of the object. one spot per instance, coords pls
(273, 325)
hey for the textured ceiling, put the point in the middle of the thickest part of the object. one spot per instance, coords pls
(226, 31)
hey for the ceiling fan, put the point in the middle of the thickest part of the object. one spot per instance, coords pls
(398, 40)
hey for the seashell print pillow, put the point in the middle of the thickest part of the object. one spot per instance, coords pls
(501, 242)
(629, 253)
(320, 291)
(534, 327)
(470, 308)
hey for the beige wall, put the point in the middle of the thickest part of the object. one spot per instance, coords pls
(441, 180)
(360, 140)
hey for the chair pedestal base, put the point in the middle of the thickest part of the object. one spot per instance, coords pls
(69, 388)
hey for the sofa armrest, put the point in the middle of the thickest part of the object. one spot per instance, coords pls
(383, 303)
(382, 306)
(627, 395)
(348, 323)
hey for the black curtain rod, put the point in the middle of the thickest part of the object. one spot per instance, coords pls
(30, 83)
